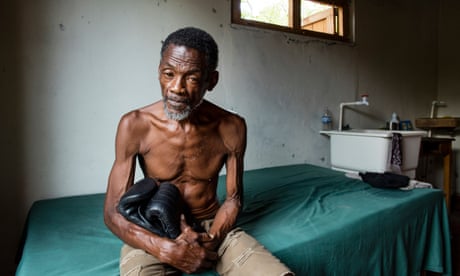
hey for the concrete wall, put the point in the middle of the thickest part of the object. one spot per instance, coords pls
(70, 69)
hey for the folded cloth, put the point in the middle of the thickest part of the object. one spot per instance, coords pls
(156, 208)
(416, 184)
(385, 180)
(396, 159)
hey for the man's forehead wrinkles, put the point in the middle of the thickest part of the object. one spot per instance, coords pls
(185, 59)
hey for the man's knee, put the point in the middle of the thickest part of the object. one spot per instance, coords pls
(137, 262)
(241, 254)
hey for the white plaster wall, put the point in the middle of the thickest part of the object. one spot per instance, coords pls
(70, 69)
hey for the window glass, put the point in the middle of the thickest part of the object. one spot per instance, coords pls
(328, 19)
(320, 17)
(268, 11)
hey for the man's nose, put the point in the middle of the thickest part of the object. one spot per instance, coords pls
(178, 85)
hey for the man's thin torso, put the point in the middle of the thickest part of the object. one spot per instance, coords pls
(190, 157)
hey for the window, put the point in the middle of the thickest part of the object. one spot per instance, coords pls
(328, 19)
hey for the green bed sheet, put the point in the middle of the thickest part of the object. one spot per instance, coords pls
(317, 221)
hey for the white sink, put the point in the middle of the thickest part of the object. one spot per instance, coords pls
(369, 150)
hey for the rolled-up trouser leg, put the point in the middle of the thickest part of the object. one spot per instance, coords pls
(137, 262)
(241, 254)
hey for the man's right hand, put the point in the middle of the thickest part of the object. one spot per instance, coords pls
(185, 252)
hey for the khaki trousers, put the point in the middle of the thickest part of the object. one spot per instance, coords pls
(239, 254)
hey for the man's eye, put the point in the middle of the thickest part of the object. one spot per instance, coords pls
(193, 79)
(168, 74)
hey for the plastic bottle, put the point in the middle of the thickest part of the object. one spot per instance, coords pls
(326, 119)
(394, 123)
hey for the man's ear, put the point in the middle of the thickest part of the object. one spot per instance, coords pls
(213, 79)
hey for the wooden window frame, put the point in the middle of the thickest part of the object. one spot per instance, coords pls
(295, 18)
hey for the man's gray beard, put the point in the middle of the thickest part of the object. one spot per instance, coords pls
(174, 115)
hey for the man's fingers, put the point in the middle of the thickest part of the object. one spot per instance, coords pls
(205, 237)
(183, 223)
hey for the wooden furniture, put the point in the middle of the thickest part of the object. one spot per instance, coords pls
(444, 123)
(431, 146)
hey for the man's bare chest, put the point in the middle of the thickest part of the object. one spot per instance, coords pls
(194, 159)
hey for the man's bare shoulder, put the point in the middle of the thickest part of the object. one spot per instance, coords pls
(142, 114)
(232, 127)
(224, 116)
(139, 120)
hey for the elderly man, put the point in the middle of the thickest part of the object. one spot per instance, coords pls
(186, 140)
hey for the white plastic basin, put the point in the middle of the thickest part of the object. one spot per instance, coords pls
(369, 150)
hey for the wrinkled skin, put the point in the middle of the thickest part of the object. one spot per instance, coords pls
(185, 140)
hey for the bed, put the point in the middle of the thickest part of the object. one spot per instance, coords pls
(316, 220)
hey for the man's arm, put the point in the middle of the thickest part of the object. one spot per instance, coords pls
(183, 253)
(234, 136)
(127, 145)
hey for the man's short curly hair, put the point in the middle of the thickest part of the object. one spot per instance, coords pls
(197, 39)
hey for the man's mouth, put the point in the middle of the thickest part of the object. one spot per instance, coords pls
(177, 103)
(176, 108)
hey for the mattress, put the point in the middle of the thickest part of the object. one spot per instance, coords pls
(316, 220)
